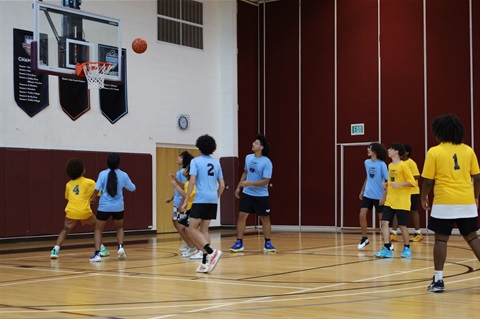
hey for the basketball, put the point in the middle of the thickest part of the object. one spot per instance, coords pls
(139, 45)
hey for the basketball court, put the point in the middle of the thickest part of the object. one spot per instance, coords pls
(313, 275)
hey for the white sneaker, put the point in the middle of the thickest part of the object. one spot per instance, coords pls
(96, 258)
(184, 247)
(203, 268)
(189, 252)
(363, 243)
(213, 258)
(121, 254)
(197, 256)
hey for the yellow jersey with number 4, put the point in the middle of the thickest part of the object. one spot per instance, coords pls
(78, 193)
(451, 166)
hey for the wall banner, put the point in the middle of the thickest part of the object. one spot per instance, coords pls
(30, 89)
(113, 98)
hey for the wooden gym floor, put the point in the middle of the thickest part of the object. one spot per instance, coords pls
(313, 275)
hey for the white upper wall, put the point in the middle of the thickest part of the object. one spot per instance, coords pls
(165, 81)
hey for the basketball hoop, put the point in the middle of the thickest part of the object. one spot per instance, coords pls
(95, 73)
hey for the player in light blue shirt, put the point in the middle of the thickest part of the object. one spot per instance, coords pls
(372, 189)
(183, 160)
(206, 174)
(255, 198)
(111, 183)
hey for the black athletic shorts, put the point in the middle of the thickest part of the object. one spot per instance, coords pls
(259, 205)
(103, 216)
(204, 211)
(445, 226)
(402, 215)
(370, 203)
(414, 199)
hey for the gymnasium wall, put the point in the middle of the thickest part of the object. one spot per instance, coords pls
(165, 81)
(32, 200)
(393, 65)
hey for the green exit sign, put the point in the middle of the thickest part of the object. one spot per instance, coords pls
(357, 129)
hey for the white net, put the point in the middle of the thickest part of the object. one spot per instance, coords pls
(95, 73)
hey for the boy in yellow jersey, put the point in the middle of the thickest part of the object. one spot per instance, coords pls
(397, 200)
(414, 199)
(78, 192)
(183, 218)
(450, 166)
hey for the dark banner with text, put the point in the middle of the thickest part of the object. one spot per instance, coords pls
(31, 90)
(113, 97)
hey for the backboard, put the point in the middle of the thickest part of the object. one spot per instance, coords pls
(64, 36)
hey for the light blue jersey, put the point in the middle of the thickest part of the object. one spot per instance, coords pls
(108, 203)
(207, 171)
(177, 198)
(257, 168)
(377, 173)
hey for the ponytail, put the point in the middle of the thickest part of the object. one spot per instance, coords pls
(113, 161)
(112, 183)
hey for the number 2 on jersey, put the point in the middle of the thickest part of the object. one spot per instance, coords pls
(211, 171)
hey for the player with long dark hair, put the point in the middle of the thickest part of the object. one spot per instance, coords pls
(111, 183)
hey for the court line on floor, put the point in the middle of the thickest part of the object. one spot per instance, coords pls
(209, 306)
(301, 298)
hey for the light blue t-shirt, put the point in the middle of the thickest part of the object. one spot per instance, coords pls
(177, 198)
(108, 203)
(257, 168)
(377, 173)
(207, 171)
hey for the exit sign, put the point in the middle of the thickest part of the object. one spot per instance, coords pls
(357, 129)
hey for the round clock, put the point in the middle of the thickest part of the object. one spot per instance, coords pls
(183, 122)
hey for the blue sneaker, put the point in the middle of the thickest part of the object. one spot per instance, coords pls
(406, 253)
(384, 253)
(269, 247)
(238, 246)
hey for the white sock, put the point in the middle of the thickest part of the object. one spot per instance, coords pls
(418, 231)
(438, 275)
(393, 231)
(102, 247)
(56, 247)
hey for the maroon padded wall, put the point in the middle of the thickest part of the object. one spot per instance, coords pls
(247, 68)
(3, 188)
(281, 105)
(402, 91)
(357, 91)
(357, 68)
(448, 61)
(247, 64)
(476, 71)
(318, 118)
(17, 188)
(40, 192)
(402, 77)
(32, 184)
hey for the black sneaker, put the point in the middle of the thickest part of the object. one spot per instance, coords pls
(436, 286)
